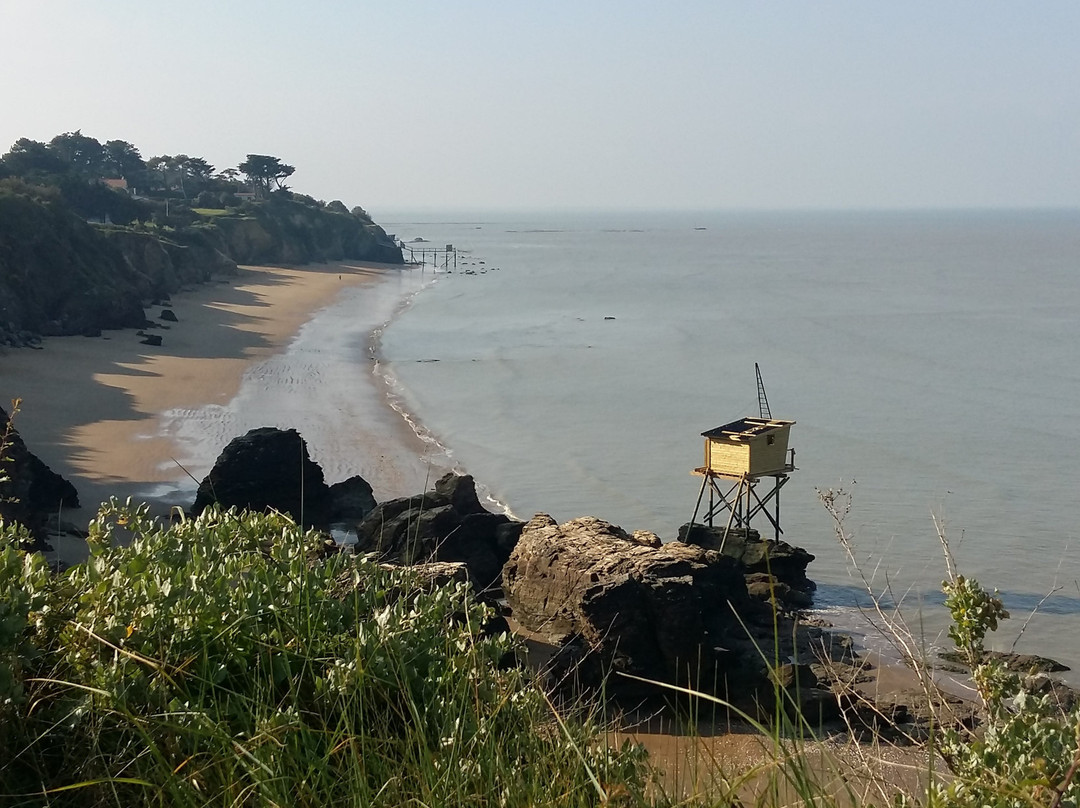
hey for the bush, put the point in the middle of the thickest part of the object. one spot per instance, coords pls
(1026, 752)
(221, 661)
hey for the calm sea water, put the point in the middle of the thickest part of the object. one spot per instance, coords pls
(930, 360)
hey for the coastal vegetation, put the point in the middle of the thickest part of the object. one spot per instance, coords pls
(222, 661)
(90, 232)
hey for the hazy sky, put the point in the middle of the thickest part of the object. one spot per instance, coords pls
(477, 104)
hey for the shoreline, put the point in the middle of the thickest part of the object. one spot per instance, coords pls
(119, 418)
(253, 350)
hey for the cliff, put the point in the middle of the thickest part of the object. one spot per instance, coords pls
(61, 275)
(285, 231)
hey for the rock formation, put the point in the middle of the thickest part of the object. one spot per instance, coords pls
(678, 613)
(60, 275)
(775, 570)
(29, 490)
(445, 524)
(351, 500)
(268, 469)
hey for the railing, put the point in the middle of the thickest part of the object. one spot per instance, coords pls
(430, 256)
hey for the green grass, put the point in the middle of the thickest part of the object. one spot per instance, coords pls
(220, 662)
(210, 211)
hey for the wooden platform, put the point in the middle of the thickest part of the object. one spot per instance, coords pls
(704, 471)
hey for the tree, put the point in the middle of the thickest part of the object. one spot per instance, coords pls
(29, 158)
(230, 177)
(195, 171)
(262, 170)
(122, 159)
(157, 171)
(181, 173)
(85, 155)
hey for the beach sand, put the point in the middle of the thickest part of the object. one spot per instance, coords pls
(263, 348)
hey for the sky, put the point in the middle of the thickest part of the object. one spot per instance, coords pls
(500, 104)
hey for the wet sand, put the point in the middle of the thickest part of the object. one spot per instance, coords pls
(272, 346)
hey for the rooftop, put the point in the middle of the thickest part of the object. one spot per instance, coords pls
(746, 428)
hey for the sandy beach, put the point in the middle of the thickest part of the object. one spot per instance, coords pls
(270, 346)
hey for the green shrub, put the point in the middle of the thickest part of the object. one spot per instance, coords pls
(1028, 751)
(222, 661)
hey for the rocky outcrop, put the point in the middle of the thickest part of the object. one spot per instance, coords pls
(191, 256)
(270, 469)
(267, 469)
(678, 613)
(286, 231)
(60, 275)
(775, 570)
(30, 492)
(351, 500)
(447, 523)
(1029, 664)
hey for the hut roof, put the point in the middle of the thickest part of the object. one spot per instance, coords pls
(746, 428)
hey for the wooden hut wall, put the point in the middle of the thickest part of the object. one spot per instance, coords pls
(729, 458)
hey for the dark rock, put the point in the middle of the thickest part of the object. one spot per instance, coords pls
(782, 565)
(168, 315)
(29, 490)
(906, 716)
(268, 469)
(1066, 698)
(151, 339)
(677, 613)
(351, 500)
(1019, 663)
(790, 677)
(768, 588)
(460, 491)
(447, 523)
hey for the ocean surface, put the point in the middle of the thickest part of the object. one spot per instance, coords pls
(929, 359)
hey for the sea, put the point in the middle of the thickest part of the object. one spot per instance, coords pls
(930, 361)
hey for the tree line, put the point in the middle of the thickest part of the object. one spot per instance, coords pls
(74, 153)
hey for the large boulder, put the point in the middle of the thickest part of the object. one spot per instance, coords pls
(268, 469)
(29, 490)
(351, 500)
(677, 613)
(447, 523)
